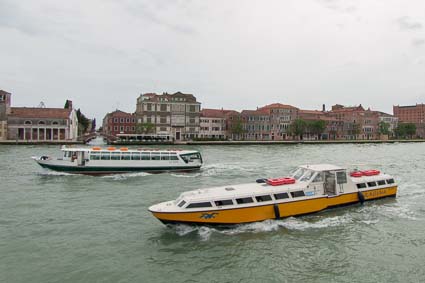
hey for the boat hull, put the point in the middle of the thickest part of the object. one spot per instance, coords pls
(271, 211)
(105, 170)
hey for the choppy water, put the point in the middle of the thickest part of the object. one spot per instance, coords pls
(70, 228)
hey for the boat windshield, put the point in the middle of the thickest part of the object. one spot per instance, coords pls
(308, 174)
(191, 157)
(298, 173)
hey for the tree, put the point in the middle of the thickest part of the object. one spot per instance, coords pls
(410, 129)
(66, 104)
(317, 127)
(405, 130)
(298, 128)
(83, 122)
(237, 128)
(145, 128)
(384, 128)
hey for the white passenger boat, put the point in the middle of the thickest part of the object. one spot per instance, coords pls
(111, 160)
(309, 189)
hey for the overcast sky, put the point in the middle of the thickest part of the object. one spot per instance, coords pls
(233, 54)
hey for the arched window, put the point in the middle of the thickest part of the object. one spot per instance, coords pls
(55, 123)
(28, 122)
(41, 122)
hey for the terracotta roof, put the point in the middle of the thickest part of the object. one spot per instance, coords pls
(277, 105)
(216, 113)
(119, 113)
(260, 111)
(315, 112)
(34, 112)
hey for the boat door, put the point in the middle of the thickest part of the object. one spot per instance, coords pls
(81, 158)
(330, 186)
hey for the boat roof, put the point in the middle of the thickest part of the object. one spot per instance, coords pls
(322, 167)
(240, 190)
(125, 149)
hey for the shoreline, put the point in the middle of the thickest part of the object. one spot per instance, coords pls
(11, 142)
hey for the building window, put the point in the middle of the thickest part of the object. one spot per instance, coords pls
(28, 122)
(115, 120)
(55, 123)
(41, 122)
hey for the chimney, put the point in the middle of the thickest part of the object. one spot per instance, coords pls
(323, 108)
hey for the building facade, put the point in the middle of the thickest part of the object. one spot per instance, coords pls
(213, 124)
(5, 99)
(176, 115)
(412, 114)
(119, 122)
(42, 124)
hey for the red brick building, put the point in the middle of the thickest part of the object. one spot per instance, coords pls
(412, 114)
(119, 122)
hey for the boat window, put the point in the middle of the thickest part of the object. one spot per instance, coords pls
(319, 178)
(341, 177)
(115, 155)
(371, 184)
(390, 181)
(281, 195)
(297, 194)
(135, 156)
(199, 204)
(95, 156)
(381, 182)
(307, 175)
(146, 156)
(361, 186)
(189, 157)
(182, 203)
(155, 156)
(165, 156)
(298, 173)
(263, 198)
(173, 157)
(244, 200)
(105, 156)
(223, 202)
(126, 156)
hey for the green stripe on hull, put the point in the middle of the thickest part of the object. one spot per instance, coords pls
(114, 170)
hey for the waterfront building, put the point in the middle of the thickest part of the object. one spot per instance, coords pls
(256, 124)
(4, 112)
(412, 114)
(119, 122)
(357, 123)
(213, 123)
(42, 124)
(281, 116)
(176, 115)
(389, 119)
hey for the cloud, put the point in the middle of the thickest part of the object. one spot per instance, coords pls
(158, 13)
(406, 23)
(339, 6)
(418, 42)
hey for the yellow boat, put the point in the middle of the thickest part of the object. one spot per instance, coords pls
(309, 189)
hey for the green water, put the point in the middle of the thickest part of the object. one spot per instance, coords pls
(71, 228)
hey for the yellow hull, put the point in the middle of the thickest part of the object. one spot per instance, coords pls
(270, 211)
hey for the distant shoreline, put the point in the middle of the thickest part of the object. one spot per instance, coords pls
(11, 142)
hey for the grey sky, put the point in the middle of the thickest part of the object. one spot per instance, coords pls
(231, 54)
